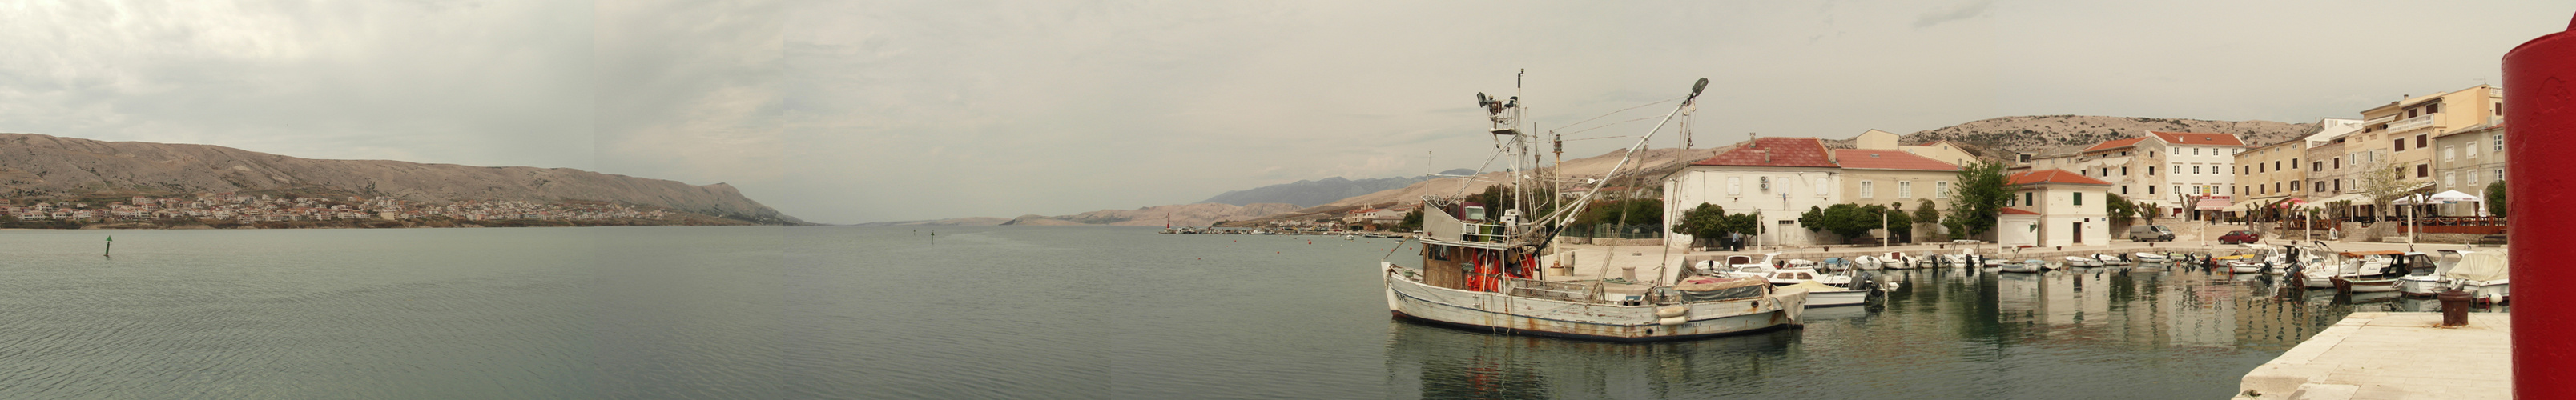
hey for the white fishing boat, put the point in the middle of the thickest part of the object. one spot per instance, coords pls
(1481, 272)
(1867, 263)
(1894, 261)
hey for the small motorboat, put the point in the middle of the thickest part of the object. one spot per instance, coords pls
(2030, 266)
(2108, 259)
(1893, 261)
(2083, 261)
(2427, 282)
(2375, 271)
(2152, 257)
(1867, 263)
(2483, 275)
(2241, 263)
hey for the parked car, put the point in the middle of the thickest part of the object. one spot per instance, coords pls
(2150, 233)
(2235, 237)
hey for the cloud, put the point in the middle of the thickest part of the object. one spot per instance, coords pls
(1955, 12)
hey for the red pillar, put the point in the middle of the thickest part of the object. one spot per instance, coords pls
(2540, 120)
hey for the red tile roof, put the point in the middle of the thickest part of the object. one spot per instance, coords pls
(2218, 139)
(2114, 144)
(1774, 152)
(2052, 176)
(2017, 211)
(1889, 159)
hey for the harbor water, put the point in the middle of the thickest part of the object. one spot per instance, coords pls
(1023, 312)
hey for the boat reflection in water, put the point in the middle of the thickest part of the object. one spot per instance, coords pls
(2148, 331)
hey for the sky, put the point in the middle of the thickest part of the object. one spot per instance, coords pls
(851, 112)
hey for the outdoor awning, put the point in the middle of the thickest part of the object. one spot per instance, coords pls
(2211, 203)
(2454, 196)
(2352, 197)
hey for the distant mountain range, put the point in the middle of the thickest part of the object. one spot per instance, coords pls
(41, 166)
(1996, 138)
(1310, 193)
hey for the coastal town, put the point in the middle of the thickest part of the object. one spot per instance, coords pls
(231, 208)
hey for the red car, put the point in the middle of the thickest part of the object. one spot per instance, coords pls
(2240, 237)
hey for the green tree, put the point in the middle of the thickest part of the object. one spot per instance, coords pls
(1926, 214)
(1704, 223)
(2119, 207)
(1412, 221)
(1896, 221)
(2495, 198)
(1983, 193)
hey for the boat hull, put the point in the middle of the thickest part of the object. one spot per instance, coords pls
(2497, 291)
(1498, 313)
(2369, 285)
(1836, 298)
(2419, 285)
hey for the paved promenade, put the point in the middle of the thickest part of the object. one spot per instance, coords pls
(2372, 355)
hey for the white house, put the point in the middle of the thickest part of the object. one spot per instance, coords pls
(1779, 178)
(2055, 207)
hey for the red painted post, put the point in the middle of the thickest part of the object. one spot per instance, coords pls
(2540, 119)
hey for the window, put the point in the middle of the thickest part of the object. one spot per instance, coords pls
(2025, 199)
(2124, 171)
(2470, 150)
(2419, 142)
(2401, 144)
(2195, 151)
(2177, 189)
(2447, 180)
(2321, 186)
(2151, 190)
(2124, 189)
(2151, 170)
(2499, 174)
(2499, 142)
(2106, 171)
(2317, 166)
(2473, 177)
(2338, 162)
(2276, 164)
(2448, 152)
(1821, 187)
(1941, 190)
(1734, 185)
(1905, 189)
(2432, 108)
(2079, 198)
(2338, 185)
(1866, 188)
(2423, 170)
(2195, 170)
(2151, 155)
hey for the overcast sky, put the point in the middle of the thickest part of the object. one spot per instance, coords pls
(847, 112)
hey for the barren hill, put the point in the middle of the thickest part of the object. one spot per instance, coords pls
(49, 166)
(2035, 133)
(1650, 165)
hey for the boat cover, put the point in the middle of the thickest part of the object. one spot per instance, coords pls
(1722, 289)
(2481, 266)
(1813, 287)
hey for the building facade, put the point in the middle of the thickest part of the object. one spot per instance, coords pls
(2055, 208)
(2470, 159)
(2398, 135)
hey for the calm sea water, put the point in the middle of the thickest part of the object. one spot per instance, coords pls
(1018, 312)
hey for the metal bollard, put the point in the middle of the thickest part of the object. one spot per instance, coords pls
(2455, 308)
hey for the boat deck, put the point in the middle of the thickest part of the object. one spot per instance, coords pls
(2376, 355)
(1597, 262)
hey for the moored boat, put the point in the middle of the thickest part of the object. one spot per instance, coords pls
(1480, 270)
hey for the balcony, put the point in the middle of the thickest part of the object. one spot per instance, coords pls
(2411, 123)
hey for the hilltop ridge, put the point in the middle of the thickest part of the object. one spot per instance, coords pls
(41, 166)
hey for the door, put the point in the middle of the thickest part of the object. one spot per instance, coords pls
(2079, 233)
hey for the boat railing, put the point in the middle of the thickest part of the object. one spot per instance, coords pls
(1560, 291)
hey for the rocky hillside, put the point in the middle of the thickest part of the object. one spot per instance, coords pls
(2035, 133)
(1314, 192)
(59, 167)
